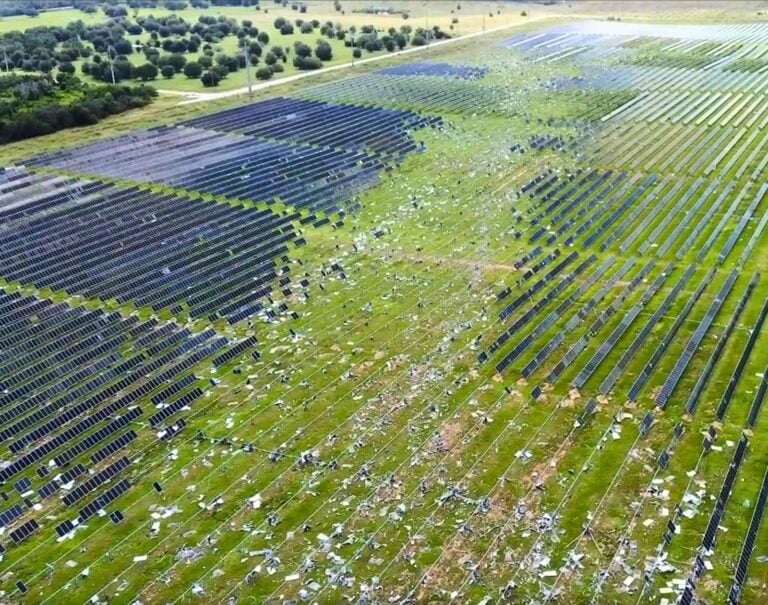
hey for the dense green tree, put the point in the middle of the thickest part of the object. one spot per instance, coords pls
(146, 72)
(302, 50)
(323, 51)
(176, 60)
(193, 70)
(210, 78)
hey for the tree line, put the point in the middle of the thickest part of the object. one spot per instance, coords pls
(33, 105)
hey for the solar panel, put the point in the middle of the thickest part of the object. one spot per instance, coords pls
(24, 531)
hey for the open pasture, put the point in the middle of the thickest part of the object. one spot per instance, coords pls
(483, 327)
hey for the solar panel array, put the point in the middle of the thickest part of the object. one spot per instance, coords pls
(91, 374)
(131, 245)
(383, 131)
(626, 251)
(427, 68)
(304, 154)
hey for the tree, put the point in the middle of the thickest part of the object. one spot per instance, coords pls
(323, 51)
(123, 47)
(229, 62)
(279, 22)
(270, 58)
(306, 28)
(307, 63)
(205, 62)
(286, 29)
(146, 72)
(357, 53)
(418, 41)
(210, 79)
(302, 50)
(263, 37)
(263, 73)
(176, 60)
(401, 41)
(123, 69)
(193, 69)
(221, 70)
(67, 68)
(276, 68)
(390, 45)
(168, 72)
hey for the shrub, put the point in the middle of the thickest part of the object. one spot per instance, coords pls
(168, 72)
(263, 73)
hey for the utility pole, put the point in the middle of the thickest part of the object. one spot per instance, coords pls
(5, 57)
(246, 51)
(111, 67)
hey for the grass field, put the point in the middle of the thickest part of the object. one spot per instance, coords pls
(562, 286)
